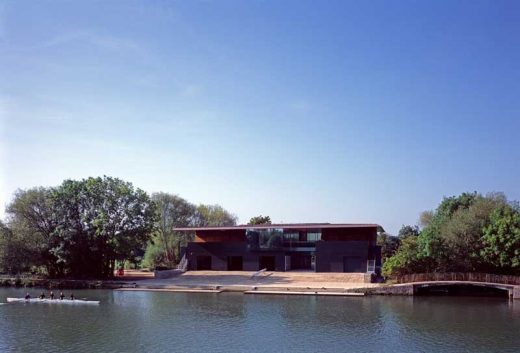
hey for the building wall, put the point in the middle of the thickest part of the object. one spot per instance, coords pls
(219, 253)
(225, 236)
(337, 247)
(330, 254)
(348, 234)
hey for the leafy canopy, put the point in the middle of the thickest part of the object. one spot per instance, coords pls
(260, 220)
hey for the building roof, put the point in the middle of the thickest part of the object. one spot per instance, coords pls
(282, 226)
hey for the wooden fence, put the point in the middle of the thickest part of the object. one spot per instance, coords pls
(459, 276)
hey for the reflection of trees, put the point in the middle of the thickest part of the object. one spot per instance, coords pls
(253, 239)
(275, 240)
(242, 323)
(460, 324)
(390, 323)
(223, 306)
(329, 312)
(264, 239)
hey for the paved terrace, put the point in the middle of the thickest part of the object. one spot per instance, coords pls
(245, 281)
(289, 283)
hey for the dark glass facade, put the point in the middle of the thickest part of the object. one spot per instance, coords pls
(330, 248)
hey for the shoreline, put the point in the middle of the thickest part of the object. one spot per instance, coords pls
(63, 283)
(272, 283)
(303, 283)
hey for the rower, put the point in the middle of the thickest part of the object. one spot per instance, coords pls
(42, 296)
(71, 296)
(62, 296)
(27, 296)
(51, 295)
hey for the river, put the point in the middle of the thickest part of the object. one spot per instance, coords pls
(228, 322)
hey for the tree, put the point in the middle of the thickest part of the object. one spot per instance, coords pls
(425, 219)
(172, 211)
(404, 260)
(99, 221)
(463, 231)
(432, 249)
(501, 239)
(214, 215)
(466, 233)
(260, 220)
(388, 243)
(408, 231)
(13, 252)
(32, 220)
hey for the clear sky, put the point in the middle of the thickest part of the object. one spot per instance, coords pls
(306, 111)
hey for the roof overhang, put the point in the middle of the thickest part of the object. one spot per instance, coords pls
(301, 226)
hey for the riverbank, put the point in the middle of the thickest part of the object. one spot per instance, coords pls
(266, 283)
(312, 283)
(212, 281)
(126, 281)
(297, 283)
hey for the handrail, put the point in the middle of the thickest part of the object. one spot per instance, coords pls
(257, 273)
(183, 264)
(459, 276)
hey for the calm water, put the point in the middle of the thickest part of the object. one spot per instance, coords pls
(177, 322)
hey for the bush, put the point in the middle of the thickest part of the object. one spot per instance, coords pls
(404, 260)
(153, 257)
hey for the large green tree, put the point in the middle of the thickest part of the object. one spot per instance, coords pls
(466, 233)
(214, 215)
(462, 233)
(32, 220)
(163, 249)
(404, 260)
(172, 211)
(99, 221)
(501, 239)
(15, 255)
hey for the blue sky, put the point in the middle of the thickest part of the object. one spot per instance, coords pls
(334, 111)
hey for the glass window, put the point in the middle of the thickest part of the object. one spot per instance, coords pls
(264, 238)
(313, 236)
(292, 236)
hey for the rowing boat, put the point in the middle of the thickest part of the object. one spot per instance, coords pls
(52, 301)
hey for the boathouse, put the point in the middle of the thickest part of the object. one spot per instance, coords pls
(319, 247)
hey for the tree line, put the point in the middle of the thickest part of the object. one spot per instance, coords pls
(466, 233)
(82, 228)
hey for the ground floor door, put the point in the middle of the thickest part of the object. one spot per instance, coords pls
(234, 263)
(203, 263)
(301, 261)
(354, 264)
(267, 262)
